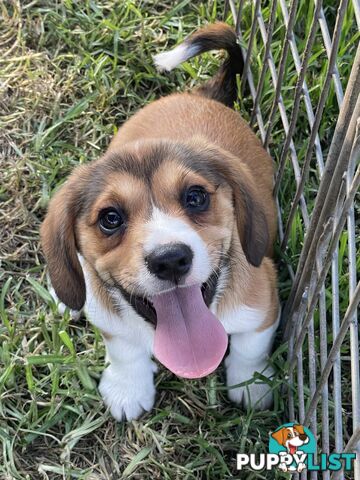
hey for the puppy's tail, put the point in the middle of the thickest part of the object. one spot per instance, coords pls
(219, 36)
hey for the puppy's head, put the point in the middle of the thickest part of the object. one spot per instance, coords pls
(291, 437)
(151, 218)
(300, 432)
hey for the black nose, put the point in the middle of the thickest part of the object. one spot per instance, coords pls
(170, 262)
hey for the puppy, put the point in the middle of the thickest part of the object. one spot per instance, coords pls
(166, 241)
(291, 438)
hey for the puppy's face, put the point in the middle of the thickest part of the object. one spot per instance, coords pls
(291, 437)
(145, 230)
(151, 217)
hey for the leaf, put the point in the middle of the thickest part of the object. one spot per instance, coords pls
(136, 461)
(41, 291)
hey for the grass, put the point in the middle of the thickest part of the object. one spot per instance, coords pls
(71, 72)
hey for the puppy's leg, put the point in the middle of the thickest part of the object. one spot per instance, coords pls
(127, 384)
(249, 353)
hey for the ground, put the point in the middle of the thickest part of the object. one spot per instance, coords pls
(71, 73)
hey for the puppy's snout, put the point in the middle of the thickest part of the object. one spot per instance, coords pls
(303, 437)
(170, 262)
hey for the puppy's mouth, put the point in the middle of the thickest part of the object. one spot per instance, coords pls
(189, 340)
(144, 307)
(292, 449)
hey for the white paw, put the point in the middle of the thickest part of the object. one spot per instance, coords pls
(301, 467)
(126, 392)
(258, 395)
(283, 467)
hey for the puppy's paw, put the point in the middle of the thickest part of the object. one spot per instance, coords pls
(258, 395)
(283, 467)
(301, 467)
(128, 394)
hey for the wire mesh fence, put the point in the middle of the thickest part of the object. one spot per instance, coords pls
(311, 125)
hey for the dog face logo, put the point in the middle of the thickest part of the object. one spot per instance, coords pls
(291, 437)
(293, 443)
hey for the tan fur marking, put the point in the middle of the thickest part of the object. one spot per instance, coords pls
(122, 190)
(281, 435)
(250, 286)
(299, 429)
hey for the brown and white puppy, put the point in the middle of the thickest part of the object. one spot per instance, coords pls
(166, 240)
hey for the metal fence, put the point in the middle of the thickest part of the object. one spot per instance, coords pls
(321, 173)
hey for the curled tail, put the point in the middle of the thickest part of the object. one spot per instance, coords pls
(219, 36)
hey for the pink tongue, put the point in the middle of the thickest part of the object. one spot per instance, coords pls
(189, 340)
(292, 449)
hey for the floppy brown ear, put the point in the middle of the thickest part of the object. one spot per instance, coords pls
(59, 245)
(249, 208)
(251, 221)
(299, 429)
(279, 436)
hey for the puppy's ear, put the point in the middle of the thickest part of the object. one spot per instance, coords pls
(279, 436)
(299, 429)
(251, 221)
(59, 243)
(249, 207)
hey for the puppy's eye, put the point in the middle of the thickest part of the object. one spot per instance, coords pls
(196, 199)
(110, 220)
